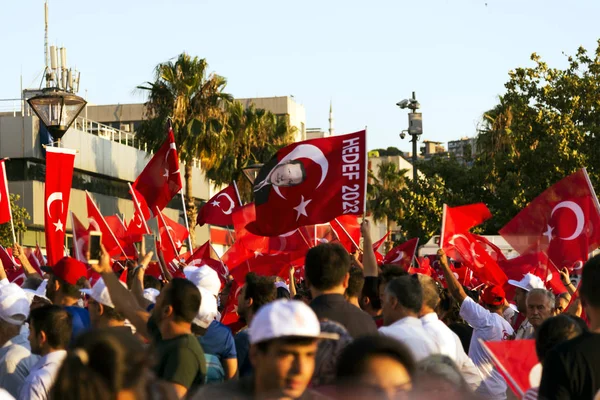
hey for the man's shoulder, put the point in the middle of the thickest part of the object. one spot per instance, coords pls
(232, 389)
(581, 343)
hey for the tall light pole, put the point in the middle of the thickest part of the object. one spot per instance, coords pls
(415, 127)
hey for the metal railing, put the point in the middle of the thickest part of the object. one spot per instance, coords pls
(116, 135)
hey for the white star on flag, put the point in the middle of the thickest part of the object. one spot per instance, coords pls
(178, 243)
(301, 208)
(215, 203)
(548, 233)
(58, 225)
(166, 174)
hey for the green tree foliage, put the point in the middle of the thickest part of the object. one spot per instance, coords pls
(20, 216)
(195, 101)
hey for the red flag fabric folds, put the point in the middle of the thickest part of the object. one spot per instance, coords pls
(81, 239)
(402, 254)
(5, 212)
(218, 210)
(381, 241)
(311, 182)
(347, 229)
(160, 181)
(138, 226)
(98, 223)
(563, 222)
(59, 176)
(206, 255)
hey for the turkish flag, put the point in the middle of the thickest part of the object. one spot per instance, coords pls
(81, 238)
(458, 220)
(321, 233)
(218, 210)
(59, 176)
(459, 244)
(236, 255)
(422, 268)
(537, 264)
(160, 181)
(230, 315)
(33, 260)
(13, 270)
(517, 362)
(563, 222)
(39, 255)
(172, 236)
(138, 226)
(490, 248)
(118, 228)
(402, 254)
(5, 212)
(381, 241)
(261, 264)
(347, 229)
(99, 224)
(311, 182)
(206, 255)
(296, 240)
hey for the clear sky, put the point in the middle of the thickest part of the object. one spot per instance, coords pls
(363, 55)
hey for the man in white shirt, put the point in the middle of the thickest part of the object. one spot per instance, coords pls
(401, 304)
(488, 325)
(16, 359)
(50, 333)
(446, 340)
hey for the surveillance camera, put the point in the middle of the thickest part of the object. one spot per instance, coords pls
(402, 135)
(403, 104)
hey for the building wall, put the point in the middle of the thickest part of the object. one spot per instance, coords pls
(283, 105)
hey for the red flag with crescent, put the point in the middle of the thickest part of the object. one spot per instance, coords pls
(98, 223)
(81, 239)
(206, 255)
(403, 254)
(172, 236)
(160, 180)
(5, 212)
(218, 210)
(137, 226)
(563, 222)
(311, 182)
(459, 244)
(59, 177)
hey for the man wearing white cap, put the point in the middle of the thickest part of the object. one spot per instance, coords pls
(101, 308)
(204, 277)
(283, 338)
(16, 359)
(523, 328)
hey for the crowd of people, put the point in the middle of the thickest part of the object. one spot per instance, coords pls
(349, 329)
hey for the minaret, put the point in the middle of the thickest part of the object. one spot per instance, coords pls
(330, 118)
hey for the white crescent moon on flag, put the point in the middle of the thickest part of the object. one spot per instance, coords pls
(51, 199)
(399, 257)
(231, 203)
(460, 235)
(306, 151)
(174, 148)
(137, 216)
(571, 205)
(94, 223)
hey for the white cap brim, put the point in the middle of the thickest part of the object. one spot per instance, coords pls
(517, 284)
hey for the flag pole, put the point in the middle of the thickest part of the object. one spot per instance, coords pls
(443, 225)
(347, 234)
(168, 233)
(237, 192)
(78, 255)
(106, 224)
(185, 218)
(12, 224)
(138, 208)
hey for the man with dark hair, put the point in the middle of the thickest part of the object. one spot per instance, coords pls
(101, 308)
(256, 292)
(572, 369)
(326, 271)
(283, 338)
(49, 335)
(355, 286)
(66, 280)
(402, 303)
(179, 356)
(488, 325)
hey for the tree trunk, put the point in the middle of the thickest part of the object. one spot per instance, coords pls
(190, 204)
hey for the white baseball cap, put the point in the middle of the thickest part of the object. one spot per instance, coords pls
(208, 309)
(14, 305)
(99, 292)
(286, 318)
(529, 281)
(151, 294)
(39, 292)
(205, 277)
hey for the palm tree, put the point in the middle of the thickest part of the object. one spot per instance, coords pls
(252, 136)
(194, 99)
(383, 193)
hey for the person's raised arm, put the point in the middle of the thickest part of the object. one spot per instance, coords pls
(454, 286)
(19, 254)
(122, 298)
(369, 259)
(566, 280)
(137, 285)
(292, 282)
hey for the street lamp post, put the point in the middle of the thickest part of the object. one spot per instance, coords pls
(415, 127)
(57, 109)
